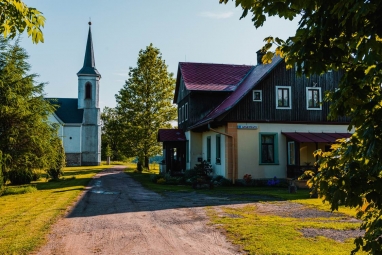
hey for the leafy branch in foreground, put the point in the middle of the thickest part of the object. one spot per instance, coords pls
(340, 35)
(15, 17)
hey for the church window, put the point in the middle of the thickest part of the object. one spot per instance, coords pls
(88, 91)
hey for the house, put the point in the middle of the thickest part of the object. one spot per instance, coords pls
(262, 120)
(79, 118)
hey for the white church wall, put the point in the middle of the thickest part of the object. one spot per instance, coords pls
(72, 139)
(53, 119)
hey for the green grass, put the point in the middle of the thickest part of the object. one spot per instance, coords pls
(269, 234)
(28, 211)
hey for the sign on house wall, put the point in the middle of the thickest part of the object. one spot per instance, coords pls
(247, 126)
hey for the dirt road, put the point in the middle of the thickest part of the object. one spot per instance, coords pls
(116, 215)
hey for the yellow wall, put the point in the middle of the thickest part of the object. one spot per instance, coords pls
(248, 148)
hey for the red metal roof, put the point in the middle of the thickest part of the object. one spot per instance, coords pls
(251, 80)
(171, 135)
(213, 77)
(315, 137)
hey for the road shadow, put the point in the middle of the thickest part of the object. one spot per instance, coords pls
(112, 191)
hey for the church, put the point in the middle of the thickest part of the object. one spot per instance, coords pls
(79, 118)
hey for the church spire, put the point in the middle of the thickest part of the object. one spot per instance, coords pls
(89, 62)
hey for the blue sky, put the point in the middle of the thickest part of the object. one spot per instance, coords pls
(194, 31)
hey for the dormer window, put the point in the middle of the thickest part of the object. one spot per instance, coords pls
(88, 91)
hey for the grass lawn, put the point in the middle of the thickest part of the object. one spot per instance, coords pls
(25, 219)
(257, 233)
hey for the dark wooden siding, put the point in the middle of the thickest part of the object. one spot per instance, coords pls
(265, 111)
(182, 92)
(200, 104)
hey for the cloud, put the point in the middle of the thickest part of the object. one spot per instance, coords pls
(220, 15)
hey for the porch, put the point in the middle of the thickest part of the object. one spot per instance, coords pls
(300, 148)
(174, 151)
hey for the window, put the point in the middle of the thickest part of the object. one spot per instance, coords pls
(313, 98)
(179, 117)
(209, 149)
(268, 148)
(88, 91)
(187, 151)
(183, 113)
(186, 111)
(257, 96)
(291, 153)
(218, 150)
(283, 97)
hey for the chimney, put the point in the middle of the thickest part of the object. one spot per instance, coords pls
(260, 55)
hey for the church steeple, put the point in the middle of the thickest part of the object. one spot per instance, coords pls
(89, 62)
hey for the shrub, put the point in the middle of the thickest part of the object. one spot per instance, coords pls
(20, 176)
(55, 171)
(247, 179)
(219, 180)
(155, 177)
(161, 181)
(171, 180)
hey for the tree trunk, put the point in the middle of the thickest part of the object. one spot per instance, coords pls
(147, 162)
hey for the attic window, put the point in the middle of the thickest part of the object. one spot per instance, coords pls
(88, 91)
(257, 96)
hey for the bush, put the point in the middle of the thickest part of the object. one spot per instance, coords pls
(20, 176)
(155, 177)
(55, 171)
(221, 181)
(161, 181)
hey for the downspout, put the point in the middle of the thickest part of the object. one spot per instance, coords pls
(233, 150)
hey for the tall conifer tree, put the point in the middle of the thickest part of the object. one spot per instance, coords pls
(27, 140)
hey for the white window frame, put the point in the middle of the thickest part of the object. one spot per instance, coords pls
(289, 97)
(261, 96)
(182, 113)
(179, 117)
(320, 98)
(186, 112)
(291, 153)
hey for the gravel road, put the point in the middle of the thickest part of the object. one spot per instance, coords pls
(116, 215)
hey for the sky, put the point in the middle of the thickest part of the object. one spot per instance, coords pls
(184, 31)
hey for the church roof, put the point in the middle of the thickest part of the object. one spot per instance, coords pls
(89, 61)
(67, 109)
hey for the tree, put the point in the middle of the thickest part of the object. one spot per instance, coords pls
(15, 17)
(340, 35)
(144, 105)
(55, 171)
(27, 140)
(111, 134)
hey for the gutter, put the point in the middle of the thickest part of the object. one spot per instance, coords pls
(233, 151)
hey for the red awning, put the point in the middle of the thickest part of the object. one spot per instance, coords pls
(315, 137)
(171, 135)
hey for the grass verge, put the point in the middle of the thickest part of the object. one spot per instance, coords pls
(28, 211)
(270, 234)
